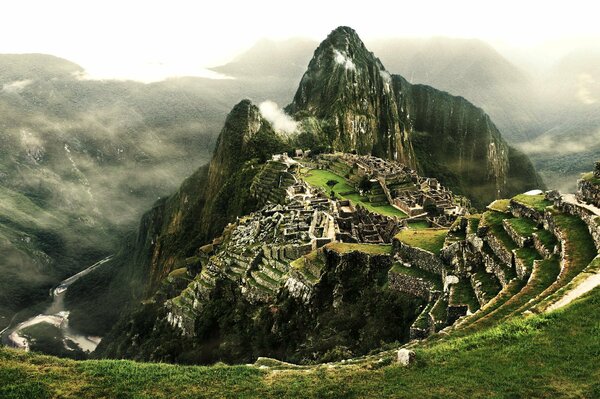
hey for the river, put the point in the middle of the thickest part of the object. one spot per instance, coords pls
(57, 315)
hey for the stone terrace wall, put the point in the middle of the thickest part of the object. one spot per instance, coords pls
(520, 240)
(589, 217)
(412, 285)
(501, 252)
(588, 192)
(418, 257)
(519, 210)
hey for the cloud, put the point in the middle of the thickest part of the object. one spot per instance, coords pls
(16, 86)
(342, 59)
(551, 144)
(584, 94)
(279, 119)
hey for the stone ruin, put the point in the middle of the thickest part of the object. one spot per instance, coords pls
(417, 196)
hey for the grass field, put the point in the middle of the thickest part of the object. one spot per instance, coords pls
(548, 356)
(373, 249)
(431, 240)
(537, 202)
(320, 177)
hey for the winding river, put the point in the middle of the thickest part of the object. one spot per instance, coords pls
(57, 315)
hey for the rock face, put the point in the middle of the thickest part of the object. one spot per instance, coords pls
(347, 100)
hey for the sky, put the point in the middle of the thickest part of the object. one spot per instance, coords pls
(147, 40)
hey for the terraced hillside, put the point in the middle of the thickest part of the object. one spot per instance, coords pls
(513, 285)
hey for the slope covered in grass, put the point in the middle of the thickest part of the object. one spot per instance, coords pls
(553, 355)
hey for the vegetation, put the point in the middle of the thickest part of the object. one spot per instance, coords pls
(373, 249)
(320, 178)
(523, 226)
(554, 354)
(589, 176)
(537, 202)
(431, 240)
(500, 205)
(462, 294)
(547, 239)
(493, 220)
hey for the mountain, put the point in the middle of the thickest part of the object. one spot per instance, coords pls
(345, 101)
(82, 159)
(349, 101)
(472, 69)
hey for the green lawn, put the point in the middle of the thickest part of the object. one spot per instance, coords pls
(431, 240)
(373, 249)
(493, 220)
(523, 226)
(537, 202)
(320, 177)
(501, 205)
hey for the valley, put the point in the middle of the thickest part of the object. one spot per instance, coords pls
(56, 315)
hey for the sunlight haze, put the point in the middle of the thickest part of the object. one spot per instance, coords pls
(149, 40)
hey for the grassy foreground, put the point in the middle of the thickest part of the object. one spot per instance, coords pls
(549, 356)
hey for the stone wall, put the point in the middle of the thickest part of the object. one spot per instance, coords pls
(589, 217)
(412, 285)
(521, 241)
(418, 257)
(541, 248)
(522, 269)
(588, 192)
(520, 210)
(500, 250)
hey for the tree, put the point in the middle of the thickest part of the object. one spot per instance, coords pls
(365, 184)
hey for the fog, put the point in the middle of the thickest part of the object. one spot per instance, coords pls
(155, 39)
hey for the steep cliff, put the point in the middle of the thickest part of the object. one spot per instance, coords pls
(177, 225)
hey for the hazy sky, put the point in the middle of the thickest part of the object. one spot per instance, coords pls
(148, 39)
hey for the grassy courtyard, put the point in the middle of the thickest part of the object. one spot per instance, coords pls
(343, 190)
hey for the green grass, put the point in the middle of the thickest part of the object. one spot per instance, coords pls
(501, 205)
(537, 202)
(343, 190)
(493, 220)
(431, 240)
(528, 255)
(523, 226)
(552, 356)
(419, 224)
(547, 239)
(543, 277)
(373, 249)
(462, 294)
(589, 176)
